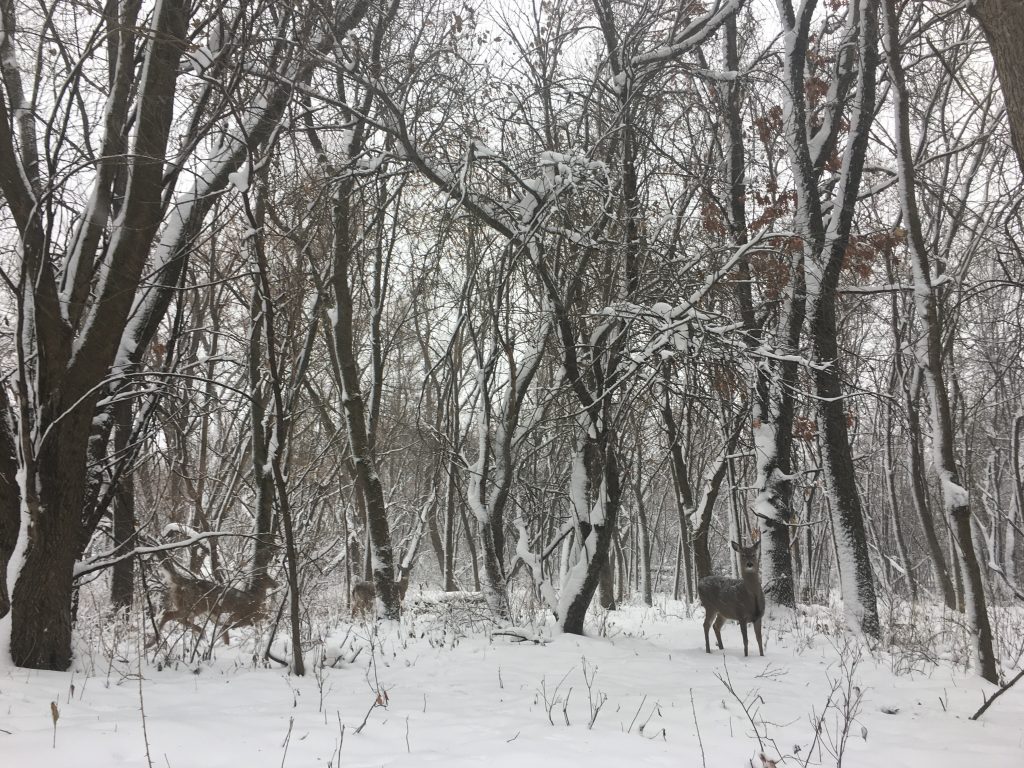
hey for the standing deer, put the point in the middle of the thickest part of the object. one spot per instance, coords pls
(189, 598)
(364, 595)
(740, 600)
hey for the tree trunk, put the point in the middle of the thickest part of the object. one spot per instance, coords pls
(643, 531)
(41, 602)
(930, 352)
(919, 494)
(450, 501)
(367, 479)
(598, 538)
(1003, 24)
(122, 579)
(680, 482)
(10, 502)
(889, 470)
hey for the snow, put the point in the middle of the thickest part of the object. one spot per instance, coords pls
(240, 179)
(457, 697)
(201, 59)
(954, 495)
(481, 150)
(15, 563)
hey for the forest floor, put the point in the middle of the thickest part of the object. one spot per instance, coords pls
(442, 689)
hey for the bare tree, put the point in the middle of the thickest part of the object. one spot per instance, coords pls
(955, 498)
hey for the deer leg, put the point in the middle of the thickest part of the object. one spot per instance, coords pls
(757, 634)
(182, 617)
(164, 618)
(718, 631)
(709, 616)
(743, 631)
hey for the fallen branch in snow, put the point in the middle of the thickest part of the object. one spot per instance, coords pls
(522, 636)
(996, 695)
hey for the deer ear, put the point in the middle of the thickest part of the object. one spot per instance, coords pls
(735, 546)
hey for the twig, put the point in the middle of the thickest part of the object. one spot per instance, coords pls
(633, 721)
(696, 725)
(341, 739)
(142, 707)
(287, 739)
(996, 695)
(727, 682)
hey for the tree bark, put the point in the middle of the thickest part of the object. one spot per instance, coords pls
(930, 352)
(122, 579)
(598, 538)
(1002, 21)
(10, 502)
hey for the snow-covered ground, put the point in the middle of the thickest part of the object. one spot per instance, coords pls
(640, 691)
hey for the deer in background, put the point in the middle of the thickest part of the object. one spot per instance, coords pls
(364, 594)
(190, 598)
(740, 600)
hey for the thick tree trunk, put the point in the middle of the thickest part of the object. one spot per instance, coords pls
(41, 602)
(858, 584)
(773, 411)
(1003, 24)
(597, 537)
(10, 503)
(837, 458)
(606, 586)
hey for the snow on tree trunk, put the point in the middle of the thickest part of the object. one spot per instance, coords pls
(955, 498)
(824, 249)
(594, 529)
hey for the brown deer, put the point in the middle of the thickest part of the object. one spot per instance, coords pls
(740, 600)
(364, 595)
(189, 598)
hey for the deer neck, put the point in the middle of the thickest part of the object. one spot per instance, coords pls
(752, 581)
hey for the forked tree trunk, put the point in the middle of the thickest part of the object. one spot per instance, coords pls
(596, 539)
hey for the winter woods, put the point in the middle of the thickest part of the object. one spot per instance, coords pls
(546, 300)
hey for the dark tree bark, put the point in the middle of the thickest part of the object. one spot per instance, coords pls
(680, 483)
(65, 389)
(1002, 21)
(919, 493)
(955, 498)
(602, 467)
(122, 578)
(93, 322)
(10, 502)
(773, 403)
